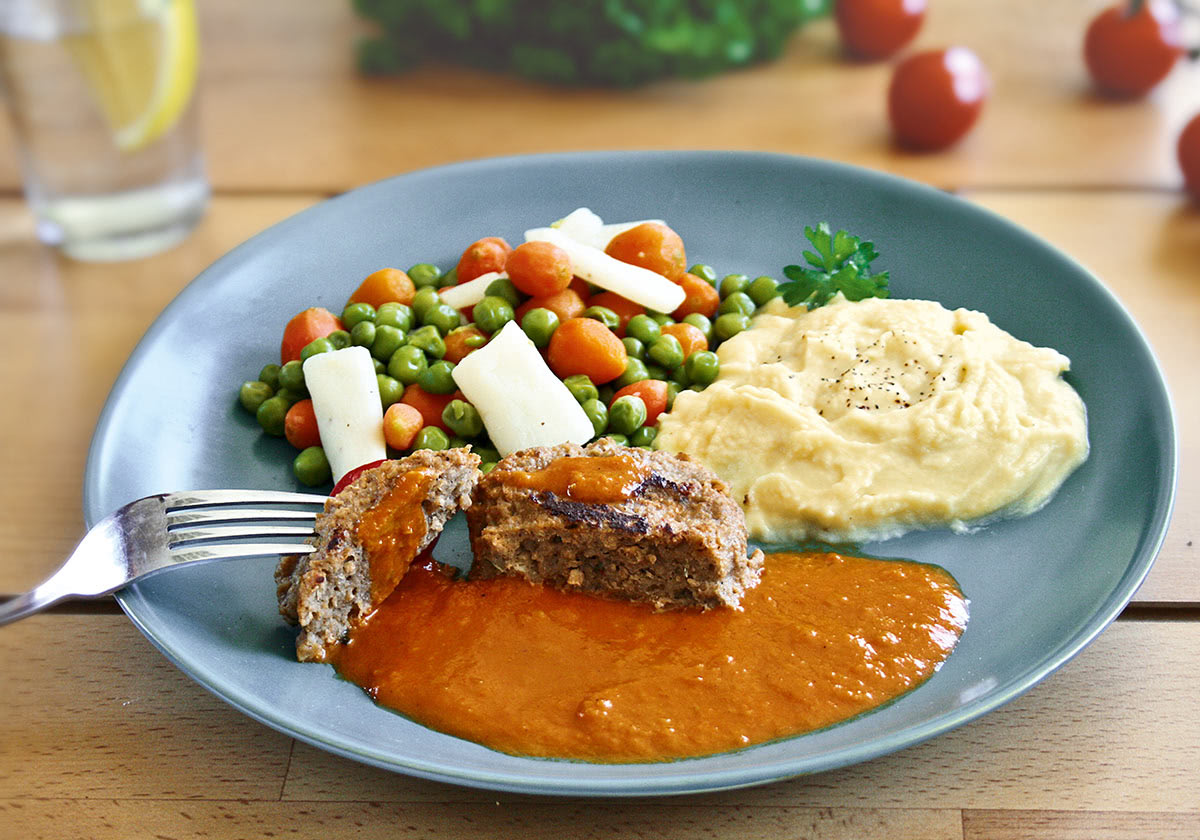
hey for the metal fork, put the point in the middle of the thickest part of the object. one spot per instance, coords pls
(170, 530)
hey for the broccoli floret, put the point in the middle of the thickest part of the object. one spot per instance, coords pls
(584, 42)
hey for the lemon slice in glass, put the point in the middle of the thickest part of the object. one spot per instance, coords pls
(140, 59)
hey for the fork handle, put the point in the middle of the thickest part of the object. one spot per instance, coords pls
(29, 603)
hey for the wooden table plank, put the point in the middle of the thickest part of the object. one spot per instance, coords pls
(85, 319)
(1113, 730)
(576, 820)
(91, 710)
(285, 110)
(1067, 825)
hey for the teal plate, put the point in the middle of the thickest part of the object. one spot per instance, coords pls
(1041, 587)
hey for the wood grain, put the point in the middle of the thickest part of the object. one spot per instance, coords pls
(284, 109)
(1070, 825)
(577, 820)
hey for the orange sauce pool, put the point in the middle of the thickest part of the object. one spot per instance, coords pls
(529, 670)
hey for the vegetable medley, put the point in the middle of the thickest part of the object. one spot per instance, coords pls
(589, 297)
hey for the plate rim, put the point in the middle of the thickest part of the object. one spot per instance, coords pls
(1140, 561)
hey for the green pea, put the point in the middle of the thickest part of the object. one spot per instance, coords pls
(317, 345)
(539, 324)
(270, 375)
(462, 418)
(429, 341)
(485, 453)
(737, 302)
(291, 376)
(762, 289)
(627, 414)
(643, 437)
(437, 378)
(356, 313)
(635, 371)
(732, 283)
(455, 442)
(424, 274)
(252, 394)
(398, 315)
(406, 364)
(443, 316)
(672, 393)
(486, 467)
(604, 315)
(492, 313)
(450, 278)
(606, 393)
(616, 438)
(379, 366)
(701, 323)
(660, 318)
(311, 467)
(634, 349)
(425, 298)
(666, 351)
(290, 397)
(271, 413)
(502, 287)
(390, 389)
(340, 339)
(581, 388)
(387, 341)
(644, 328)
(730, 324)
(597, 412)
(362, 334)
(679, 376)
(702, 367)
(704, 272)
(431, 437)
(654, 371)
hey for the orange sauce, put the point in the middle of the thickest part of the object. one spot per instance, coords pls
(391, 531)
(602, 480)
(529, 670)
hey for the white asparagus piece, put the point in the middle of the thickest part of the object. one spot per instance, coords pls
(584, 226)
(632, 282)
(521, 401)
(471, 292)
(345, 395)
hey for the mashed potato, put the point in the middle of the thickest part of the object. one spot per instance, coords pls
(858, 421)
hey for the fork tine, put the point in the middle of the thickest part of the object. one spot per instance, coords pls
(213, 516)
(208, 498)
(178, 538)
(235, 551)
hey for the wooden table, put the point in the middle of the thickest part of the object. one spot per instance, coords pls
(101, 737)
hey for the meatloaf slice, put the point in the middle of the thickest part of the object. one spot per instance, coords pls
(353, 570)
(676, 538)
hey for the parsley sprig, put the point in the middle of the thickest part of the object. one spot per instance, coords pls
(842, 263)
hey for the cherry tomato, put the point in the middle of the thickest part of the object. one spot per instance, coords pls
(1129, 52)
(1189, 156)
(349, 477)
(874, 29)
(936, 96)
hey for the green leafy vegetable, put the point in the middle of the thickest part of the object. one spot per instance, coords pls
(574, 42)
(841, 263)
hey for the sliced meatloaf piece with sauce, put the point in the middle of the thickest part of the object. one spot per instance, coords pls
(612, 520)
(366, 538)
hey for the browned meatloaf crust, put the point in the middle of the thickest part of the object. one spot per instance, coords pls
(678, 541)
(326, 591)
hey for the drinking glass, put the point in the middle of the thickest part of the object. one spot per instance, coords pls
(102, 96)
